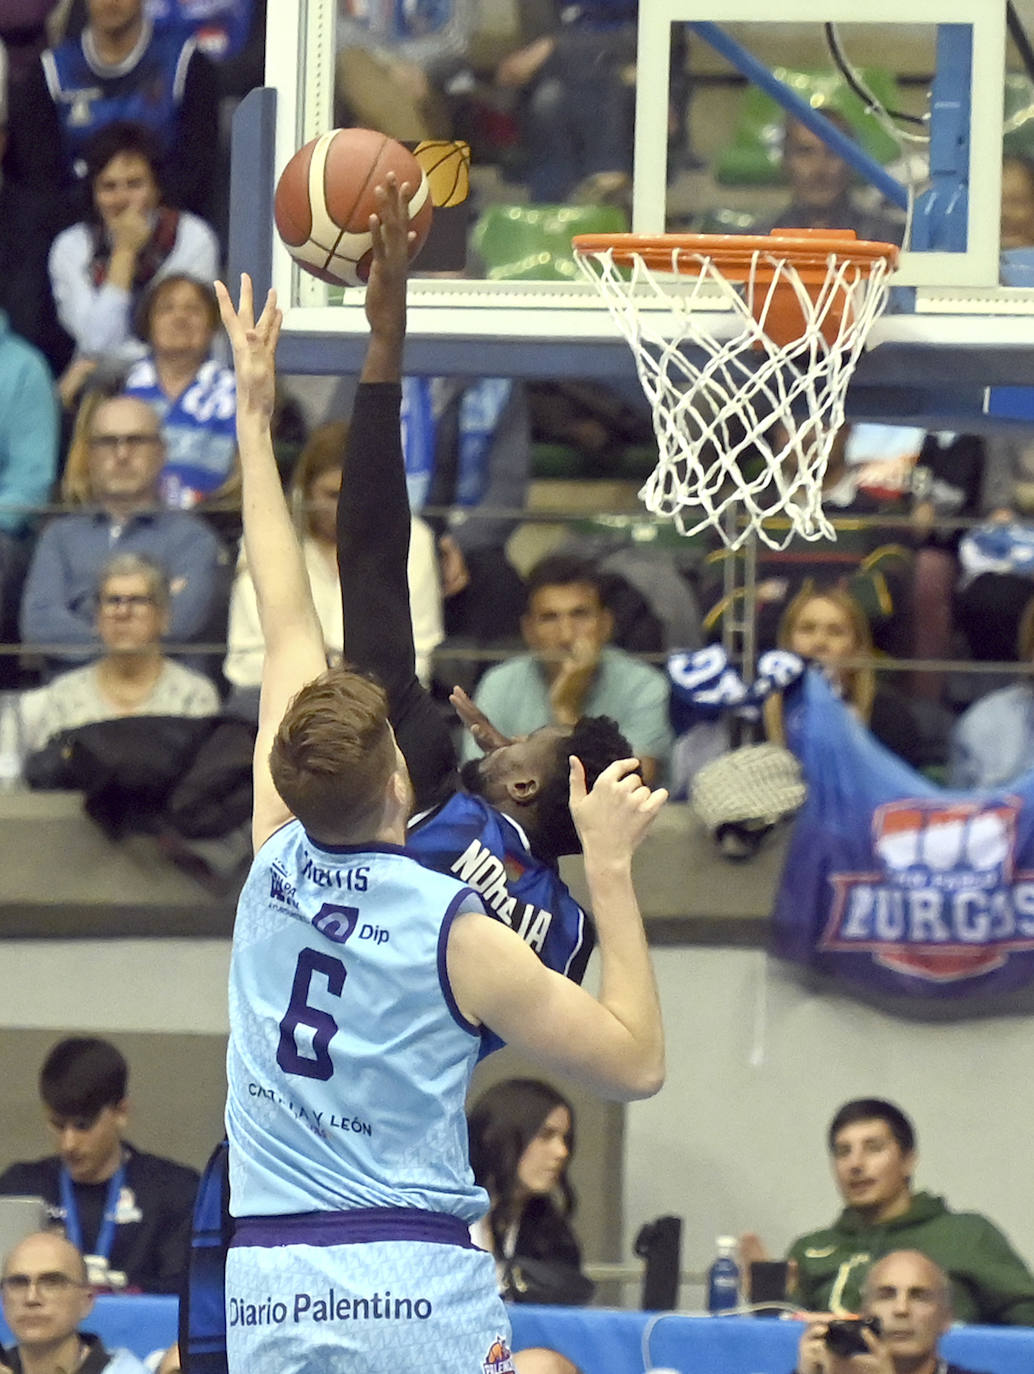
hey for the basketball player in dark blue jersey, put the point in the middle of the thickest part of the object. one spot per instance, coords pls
(361, 980)
(504, 822)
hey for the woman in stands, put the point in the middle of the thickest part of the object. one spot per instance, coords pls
(194, 394)
(521, 1141)
(315, 485)
(828, 626)
(101, 267)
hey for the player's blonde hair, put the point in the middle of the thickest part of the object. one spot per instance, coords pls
(333, 756)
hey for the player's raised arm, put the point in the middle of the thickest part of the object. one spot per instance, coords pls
(373, 513)
(294, 650)
(615, 1042)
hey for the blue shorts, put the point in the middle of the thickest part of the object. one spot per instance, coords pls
(320, 1305)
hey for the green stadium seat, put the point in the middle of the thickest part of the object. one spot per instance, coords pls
(533, 242)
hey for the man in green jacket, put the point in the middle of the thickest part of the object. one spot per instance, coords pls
(873, 1148)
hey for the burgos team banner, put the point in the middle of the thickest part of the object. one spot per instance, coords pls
(891, 881)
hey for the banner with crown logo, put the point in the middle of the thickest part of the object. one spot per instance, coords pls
(893, 882)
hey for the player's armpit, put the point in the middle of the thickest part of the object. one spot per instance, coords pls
(499, 981)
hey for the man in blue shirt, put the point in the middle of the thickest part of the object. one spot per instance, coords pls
(126, 454)
(571, 670)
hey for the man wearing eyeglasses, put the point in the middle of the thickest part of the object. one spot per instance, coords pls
(124, 455)
(46, 1297)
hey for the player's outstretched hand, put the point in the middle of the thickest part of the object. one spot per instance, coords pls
(613, 817)
(391, 235)
(483, 732)
(254, 347)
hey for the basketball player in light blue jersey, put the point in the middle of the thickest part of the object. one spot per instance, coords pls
(361, 982)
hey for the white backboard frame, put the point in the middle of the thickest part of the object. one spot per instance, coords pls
(300, 54)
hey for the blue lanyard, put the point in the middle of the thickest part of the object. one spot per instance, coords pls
(106, 1234)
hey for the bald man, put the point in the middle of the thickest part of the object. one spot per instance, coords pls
(911, 1298)
(45, 1299)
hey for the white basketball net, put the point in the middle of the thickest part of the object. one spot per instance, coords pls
(744, 425)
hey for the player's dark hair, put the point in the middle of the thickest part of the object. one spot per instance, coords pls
(597, 741)
(143, 315)
(562, 570)
(333, 755)
(82, 1075)
(122, 136)
(501, 1125)
(874, 1109)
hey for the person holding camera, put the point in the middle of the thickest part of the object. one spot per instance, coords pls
(906, 1310)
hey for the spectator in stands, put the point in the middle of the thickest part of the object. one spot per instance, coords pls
(911, 1298)
(995, 560)
(46, 1297)
(570, 669)
(993, 741)
(121, 450)
(829, 626)
(314, 492)
(194, 395)
(394, 61)
(1017, 220)
(820, 188)
(127, 1211)
(121, 68)
(576, 81)
(28, 465)
(872, 1146)
(132, 677)
(866, 559)
(467, 446)
(102, 267)
(521, 1138)
(947, 484)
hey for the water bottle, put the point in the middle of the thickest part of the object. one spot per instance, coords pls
(723, 1278)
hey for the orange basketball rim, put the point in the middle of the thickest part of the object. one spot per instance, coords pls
(776, 268)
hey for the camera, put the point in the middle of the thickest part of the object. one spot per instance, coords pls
(844, 1337)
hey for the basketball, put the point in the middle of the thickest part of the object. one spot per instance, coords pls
(325, 197)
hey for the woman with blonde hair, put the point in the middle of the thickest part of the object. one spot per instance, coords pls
(829, 627)
(314, 488)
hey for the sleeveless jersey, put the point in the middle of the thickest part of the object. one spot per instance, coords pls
(146, 88)
(199, 428)
(477, 844)
(349, 1061)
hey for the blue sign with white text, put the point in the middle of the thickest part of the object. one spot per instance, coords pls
(894, 883)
